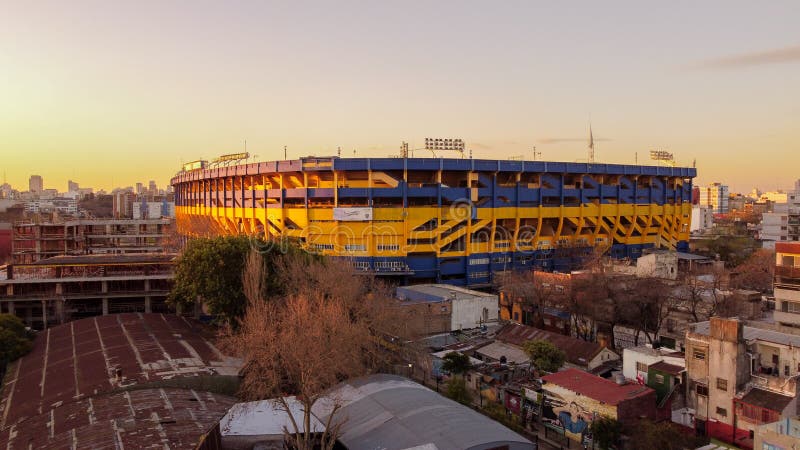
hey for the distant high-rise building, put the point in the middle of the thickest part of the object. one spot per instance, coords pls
(152, 187)
(36, 184)
(72, 186)
(139, 188)
(715, 196)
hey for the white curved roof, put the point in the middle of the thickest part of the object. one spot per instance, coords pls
(392, 412)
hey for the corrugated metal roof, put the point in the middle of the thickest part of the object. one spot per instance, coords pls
(595, 387)
(391, 412)
(579, 352)
(766, 399)
(78, 362)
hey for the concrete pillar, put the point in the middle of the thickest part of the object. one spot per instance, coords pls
(105, 306)
(60, 310)
(147, 308)
(178, 309)
(44, 313)
(10, 307)
(104, 287)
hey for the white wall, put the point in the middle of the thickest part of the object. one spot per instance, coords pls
(629, 359)
(469, 312)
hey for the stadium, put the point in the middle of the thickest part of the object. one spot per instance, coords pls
(455, 221)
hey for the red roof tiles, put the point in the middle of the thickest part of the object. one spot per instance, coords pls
(595, 387)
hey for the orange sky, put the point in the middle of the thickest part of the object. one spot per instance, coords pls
(109, 93)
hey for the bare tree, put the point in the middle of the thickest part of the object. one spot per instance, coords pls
(534, 290)
(331, 326)
(756, 273)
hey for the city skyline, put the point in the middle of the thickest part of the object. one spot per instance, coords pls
(102, 93)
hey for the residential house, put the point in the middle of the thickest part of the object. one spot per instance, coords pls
(739, 378)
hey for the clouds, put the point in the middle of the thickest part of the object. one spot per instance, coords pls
(775, 56)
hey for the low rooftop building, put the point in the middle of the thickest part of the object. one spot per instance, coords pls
(113, 382)
(574, 398)
(391, 412)
(581, 354)
(443, 307)
(375, 412)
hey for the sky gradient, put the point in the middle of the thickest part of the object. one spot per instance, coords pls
(111, 93)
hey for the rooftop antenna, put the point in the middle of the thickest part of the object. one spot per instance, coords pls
(535, 153)
(694, 163)
(591, 145)
(284, 153)
(339, 151)
(354, 152)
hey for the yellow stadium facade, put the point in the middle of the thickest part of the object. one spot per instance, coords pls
(456, 221)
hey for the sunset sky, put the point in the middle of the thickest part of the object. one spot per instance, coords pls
(109, 93)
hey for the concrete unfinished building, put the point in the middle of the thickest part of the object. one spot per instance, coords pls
(64, 288)
(35, 241)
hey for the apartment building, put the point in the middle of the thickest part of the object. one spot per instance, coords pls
(787, 284)
(739, 378)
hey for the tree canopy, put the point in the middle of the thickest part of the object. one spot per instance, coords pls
(606, 432)
(544, 355)
(14, 340)
(456, 363)
(210, 271)
(326, 326)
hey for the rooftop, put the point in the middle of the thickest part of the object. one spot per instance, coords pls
(595, 387)
(91, 361)
(579, 352)
(666, 367)
(767, 399)
(434, 293)
(391, 412)
(753, 334)
(497, 349)
(264, 417)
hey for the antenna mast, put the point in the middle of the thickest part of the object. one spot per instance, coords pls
(591, 145)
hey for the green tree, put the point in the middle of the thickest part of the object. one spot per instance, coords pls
(544, 355)
(14, 340)
(606, 432)
(456, 363)
(457, 390)
(210, 271)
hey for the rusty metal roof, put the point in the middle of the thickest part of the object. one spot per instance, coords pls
(78, 369)
(578, 351)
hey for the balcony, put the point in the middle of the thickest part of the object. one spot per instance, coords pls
(787, 276)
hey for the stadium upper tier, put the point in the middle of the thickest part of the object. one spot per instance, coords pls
(450, 220)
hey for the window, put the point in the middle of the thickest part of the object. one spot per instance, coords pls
(792, 307)
(702, 390)
(722, 412)
(659, 378)
(516, 317)
(699, 354)
(722, 384)
(641, 367)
